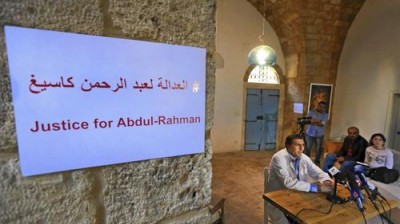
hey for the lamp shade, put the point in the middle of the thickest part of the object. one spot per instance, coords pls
(262, 55)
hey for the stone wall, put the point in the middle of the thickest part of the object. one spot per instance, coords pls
(312, 34)
(168, 190)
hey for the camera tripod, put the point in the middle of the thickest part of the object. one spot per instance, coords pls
(302, 131)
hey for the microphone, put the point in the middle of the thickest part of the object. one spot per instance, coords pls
(339, 177)
(359, 172)
(370, 189)
(333, 171)
(368, 186)
(349, 180)
(355, 191)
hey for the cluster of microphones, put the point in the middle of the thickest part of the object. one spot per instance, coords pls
(355, 180)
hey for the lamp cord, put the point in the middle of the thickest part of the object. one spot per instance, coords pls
(261, 37)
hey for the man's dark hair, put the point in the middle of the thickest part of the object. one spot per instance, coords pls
(289, 139)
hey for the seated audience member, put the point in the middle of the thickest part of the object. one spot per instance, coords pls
(291, 169)
(353, 150)
(377, 155)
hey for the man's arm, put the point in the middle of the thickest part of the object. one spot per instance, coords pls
(360, 150)
(321, 122)
(343, 149)
(317, 122)
(389, 159)
(317, 174)
(325, 182)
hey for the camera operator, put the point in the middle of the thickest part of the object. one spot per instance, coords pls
(315, 131)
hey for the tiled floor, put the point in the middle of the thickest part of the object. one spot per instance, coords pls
(239, 178)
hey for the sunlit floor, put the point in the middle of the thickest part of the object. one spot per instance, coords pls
(239, 178)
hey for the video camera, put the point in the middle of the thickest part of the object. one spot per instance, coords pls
(303, 121)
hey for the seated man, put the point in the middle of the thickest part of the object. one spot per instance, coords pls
(353, 150)
(290, 168)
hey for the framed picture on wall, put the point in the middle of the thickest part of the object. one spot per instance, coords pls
(318, 93)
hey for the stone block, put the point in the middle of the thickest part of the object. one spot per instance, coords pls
(42, 198)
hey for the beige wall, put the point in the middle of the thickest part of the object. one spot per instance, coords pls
(239, 25)
(369, 69)
(367, 73)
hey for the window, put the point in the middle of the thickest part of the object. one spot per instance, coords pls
(263, 74)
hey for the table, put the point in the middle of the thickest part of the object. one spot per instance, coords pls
(291, 202)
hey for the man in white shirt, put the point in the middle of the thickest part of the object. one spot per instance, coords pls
(290, 168)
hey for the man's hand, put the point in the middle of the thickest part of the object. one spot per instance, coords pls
(340, 159)
(326, 187)
(328, 183)
(317, 122)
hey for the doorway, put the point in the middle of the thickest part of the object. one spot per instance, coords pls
(260, 122)
(393, 121)
(263, 111)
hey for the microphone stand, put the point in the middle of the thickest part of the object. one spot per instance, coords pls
(382, 215)
(333, 197)
(371, 198)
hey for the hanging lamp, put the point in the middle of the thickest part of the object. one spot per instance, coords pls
(262, 55)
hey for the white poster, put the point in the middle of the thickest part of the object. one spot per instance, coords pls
(83, 101)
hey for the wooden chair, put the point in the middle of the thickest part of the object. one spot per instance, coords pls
(333, 147)
(217, 212)
(266, 175)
